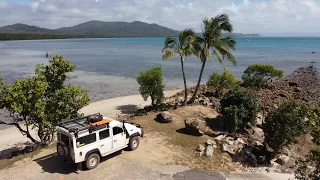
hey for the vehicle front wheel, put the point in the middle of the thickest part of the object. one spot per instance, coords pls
(92, 161)
(134, 143)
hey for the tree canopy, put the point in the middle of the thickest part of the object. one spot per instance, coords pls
(41, 101)
(257, 75)
(150, 82)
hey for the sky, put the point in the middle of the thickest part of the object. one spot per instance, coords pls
(266, 17)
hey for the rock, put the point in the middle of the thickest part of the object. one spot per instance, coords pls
(286, 151)
(164, 117)
(227, 148)
(239, 141)
(200, 153)
(209, 151)
(293, 84)
(298, 89)
(259, 119)
(214, 146)
(215, 103)
(257, 143)
(195, 126)
(275, 106)
(283, 95)
(201, 148)
(220, 137)
(206, 101)
(282, 159)
(210, 142)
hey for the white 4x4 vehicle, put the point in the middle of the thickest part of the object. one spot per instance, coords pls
(88, 138)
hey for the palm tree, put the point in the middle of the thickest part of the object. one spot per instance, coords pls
(212, 39)
(183, 46)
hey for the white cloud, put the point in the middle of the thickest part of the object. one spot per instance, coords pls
(270, 16)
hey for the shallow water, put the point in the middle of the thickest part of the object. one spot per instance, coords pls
(105, 66)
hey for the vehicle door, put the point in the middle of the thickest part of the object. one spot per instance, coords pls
(118, 138)
(105, 141)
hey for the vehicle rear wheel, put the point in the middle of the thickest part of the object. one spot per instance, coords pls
(92, 161)
(62, 150)
(134, 143)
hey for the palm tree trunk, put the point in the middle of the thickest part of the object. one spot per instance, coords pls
(185, 83)
(198, 84)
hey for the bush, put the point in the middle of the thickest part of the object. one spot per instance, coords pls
(285, 124)
(257, 75)
(239, 108)
(150, 82)
(313, 158)
(222, 82)
(42, 101)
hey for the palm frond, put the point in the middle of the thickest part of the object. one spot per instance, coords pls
(168, 53)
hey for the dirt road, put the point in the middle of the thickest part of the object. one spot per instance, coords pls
(151, 161)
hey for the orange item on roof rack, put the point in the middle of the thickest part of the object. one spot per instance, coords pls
(103, 121)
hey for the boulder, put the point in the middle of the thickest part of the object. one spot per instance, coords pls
(215, 103)
(259, 119)
(282, 159)
(195, 126)
(206, 101)
(220, 137)
(200, 153)
(164, 117)
(201, 148)
(210, 142)
(209, 151)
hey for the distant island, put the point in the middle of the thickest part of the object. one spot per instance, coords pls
(91, 29)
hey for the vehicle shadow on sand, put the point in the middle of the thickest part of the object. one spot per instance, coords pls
(52, 163)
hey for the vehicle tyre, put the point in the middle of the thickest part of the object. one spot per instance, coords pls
(62, 150)
(134, 143)
(92, 161)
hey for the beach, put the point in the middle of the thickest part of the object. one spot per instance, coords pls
(108, 107)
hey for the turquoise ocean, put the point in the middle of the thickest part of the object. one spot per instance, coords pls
(106, 66)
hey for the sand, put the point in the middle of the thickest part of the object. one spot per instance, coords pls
(109, 107)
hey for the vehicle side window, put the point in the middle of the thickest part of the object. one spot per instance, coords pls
(85, 140)
(104, 134)
(117, 130)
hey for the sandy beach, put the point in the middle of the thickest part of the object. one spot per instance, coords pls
(108, 107)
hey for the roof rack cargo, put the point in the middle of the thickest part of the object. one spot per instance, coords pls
(83, 123)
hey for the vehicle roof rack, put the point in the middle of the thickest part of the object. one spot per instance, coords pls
(82, 123)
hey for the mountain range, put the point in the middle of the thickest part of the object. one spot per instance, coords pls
(90, 29)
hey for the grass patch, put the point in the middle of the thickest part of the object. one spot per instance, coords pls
(175, 135)
(7, 163)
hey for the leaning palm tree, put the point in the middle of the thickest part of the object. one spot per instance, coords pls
(212, 39)
(183, 46)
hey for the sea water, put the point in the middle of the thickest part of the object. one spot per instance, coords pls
(109, 67)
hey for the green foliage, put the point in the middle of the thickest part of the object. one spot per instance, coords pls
(150, 82)
(183, 46)
(239, 108)
(285, 124)
(222, 82)
(42, 101)
(213, 40)
(313, 158)
(257, 75)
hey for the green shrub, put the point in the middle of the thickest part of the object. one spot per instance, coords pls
(222, 82)
(42, 101)
(285, 124)
(257, 75)
(150, 82)
(313, 158)
(239, 108)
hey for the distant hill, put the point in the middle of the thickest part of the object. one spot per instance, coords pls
(119, 29)
(23, 28)
(90, 29)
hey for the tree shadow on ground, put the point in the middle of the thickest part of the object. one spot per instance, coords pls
(17, 149)
(52, 163)
(128, 109)
(217, 124)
